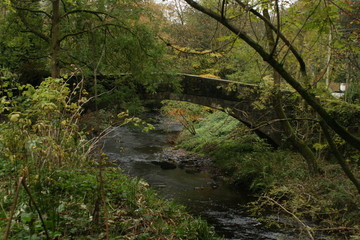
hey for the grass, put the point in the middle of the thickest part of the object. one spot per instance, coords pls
(54, 184)
(280, 179)
(73, 206)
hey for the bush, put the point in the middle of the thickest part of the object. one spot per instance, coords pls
(58, 191)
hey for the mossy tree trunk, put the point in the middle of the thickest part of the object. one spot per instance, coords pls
(298, 143)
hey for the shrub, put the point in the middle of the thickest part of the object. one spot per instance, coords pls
(50, 187)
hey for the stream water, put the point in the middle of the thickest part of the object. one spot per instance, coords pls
(135, 152)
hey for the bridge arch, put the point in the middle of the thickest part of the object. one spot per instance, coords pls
(237, 99)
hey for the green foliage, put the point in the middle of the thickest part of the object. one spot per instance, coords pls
(18, 48)
(68, 194)
(243, 65)
(122, 97)
(281, 179)
(7, 87)
(209, 132)
(243, 157)
(343, 112)
(68, 200)
(328, 201)
(353, 93)
(107, 37)
(187, 114)
(44, 120)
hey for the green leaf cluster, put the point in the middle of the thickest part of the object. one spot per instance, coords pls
(69, 194)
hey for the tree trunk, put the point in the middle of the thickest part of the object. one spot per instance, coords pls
(299, 144)
(304, 93)
(327, 79)
(339, 157)
(55, 40)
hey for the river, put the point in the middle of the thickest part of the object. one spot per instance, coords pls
(223, 207)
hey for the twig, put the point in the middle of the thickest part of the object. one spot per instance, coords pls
(102, 192)
(280, 120)
(340, 159)
(95, 74)
(335, 229)
(306, 227)
(36, 207)
(223, 9)
(7, 232)
(278, 28)
(96, 139)
(104, 133)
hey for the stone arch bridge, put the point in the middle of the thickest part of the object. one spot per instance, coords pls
(237, 99)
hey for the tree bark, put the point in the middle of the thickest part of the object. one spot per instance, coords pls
(329, 52)
(55, 40)
(339, 157)
(299, 144)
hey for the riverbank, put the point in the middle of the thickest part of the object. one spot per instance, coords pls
(323, 207)
(186, 178)
(55, 185)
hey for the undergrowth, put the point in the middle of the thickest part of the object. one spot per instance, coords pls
(55, 184)
(325, 206)
(72, 206)
(244, 158)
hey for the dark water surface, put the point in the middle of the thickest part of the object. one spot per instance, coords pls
(134, 151)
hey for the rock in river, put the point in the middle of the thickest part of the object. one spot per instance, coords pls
(165, 164)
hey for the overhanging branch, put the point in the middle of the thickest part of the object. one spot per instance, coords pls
(96, 13)
(33, 11)
(31, 29)
(277, 31)
(308, 97)
(264, 124)
(92, 29)
(43, 37)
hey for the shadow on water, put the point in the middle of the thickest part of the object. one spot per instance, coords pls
(134, 151)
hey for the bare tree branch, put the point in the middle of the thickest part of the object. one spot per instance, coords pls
(32, 29)
(223, 9)
(308, 230)
(91, 29)
(277, 31)
(64, 5)
(36, 33)
(347, 12)
(307, 96)
(341, 160)
(264, 124)
(180, 12)
(96, 13)
(278, 27)
(302, 27)
(32, 11)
